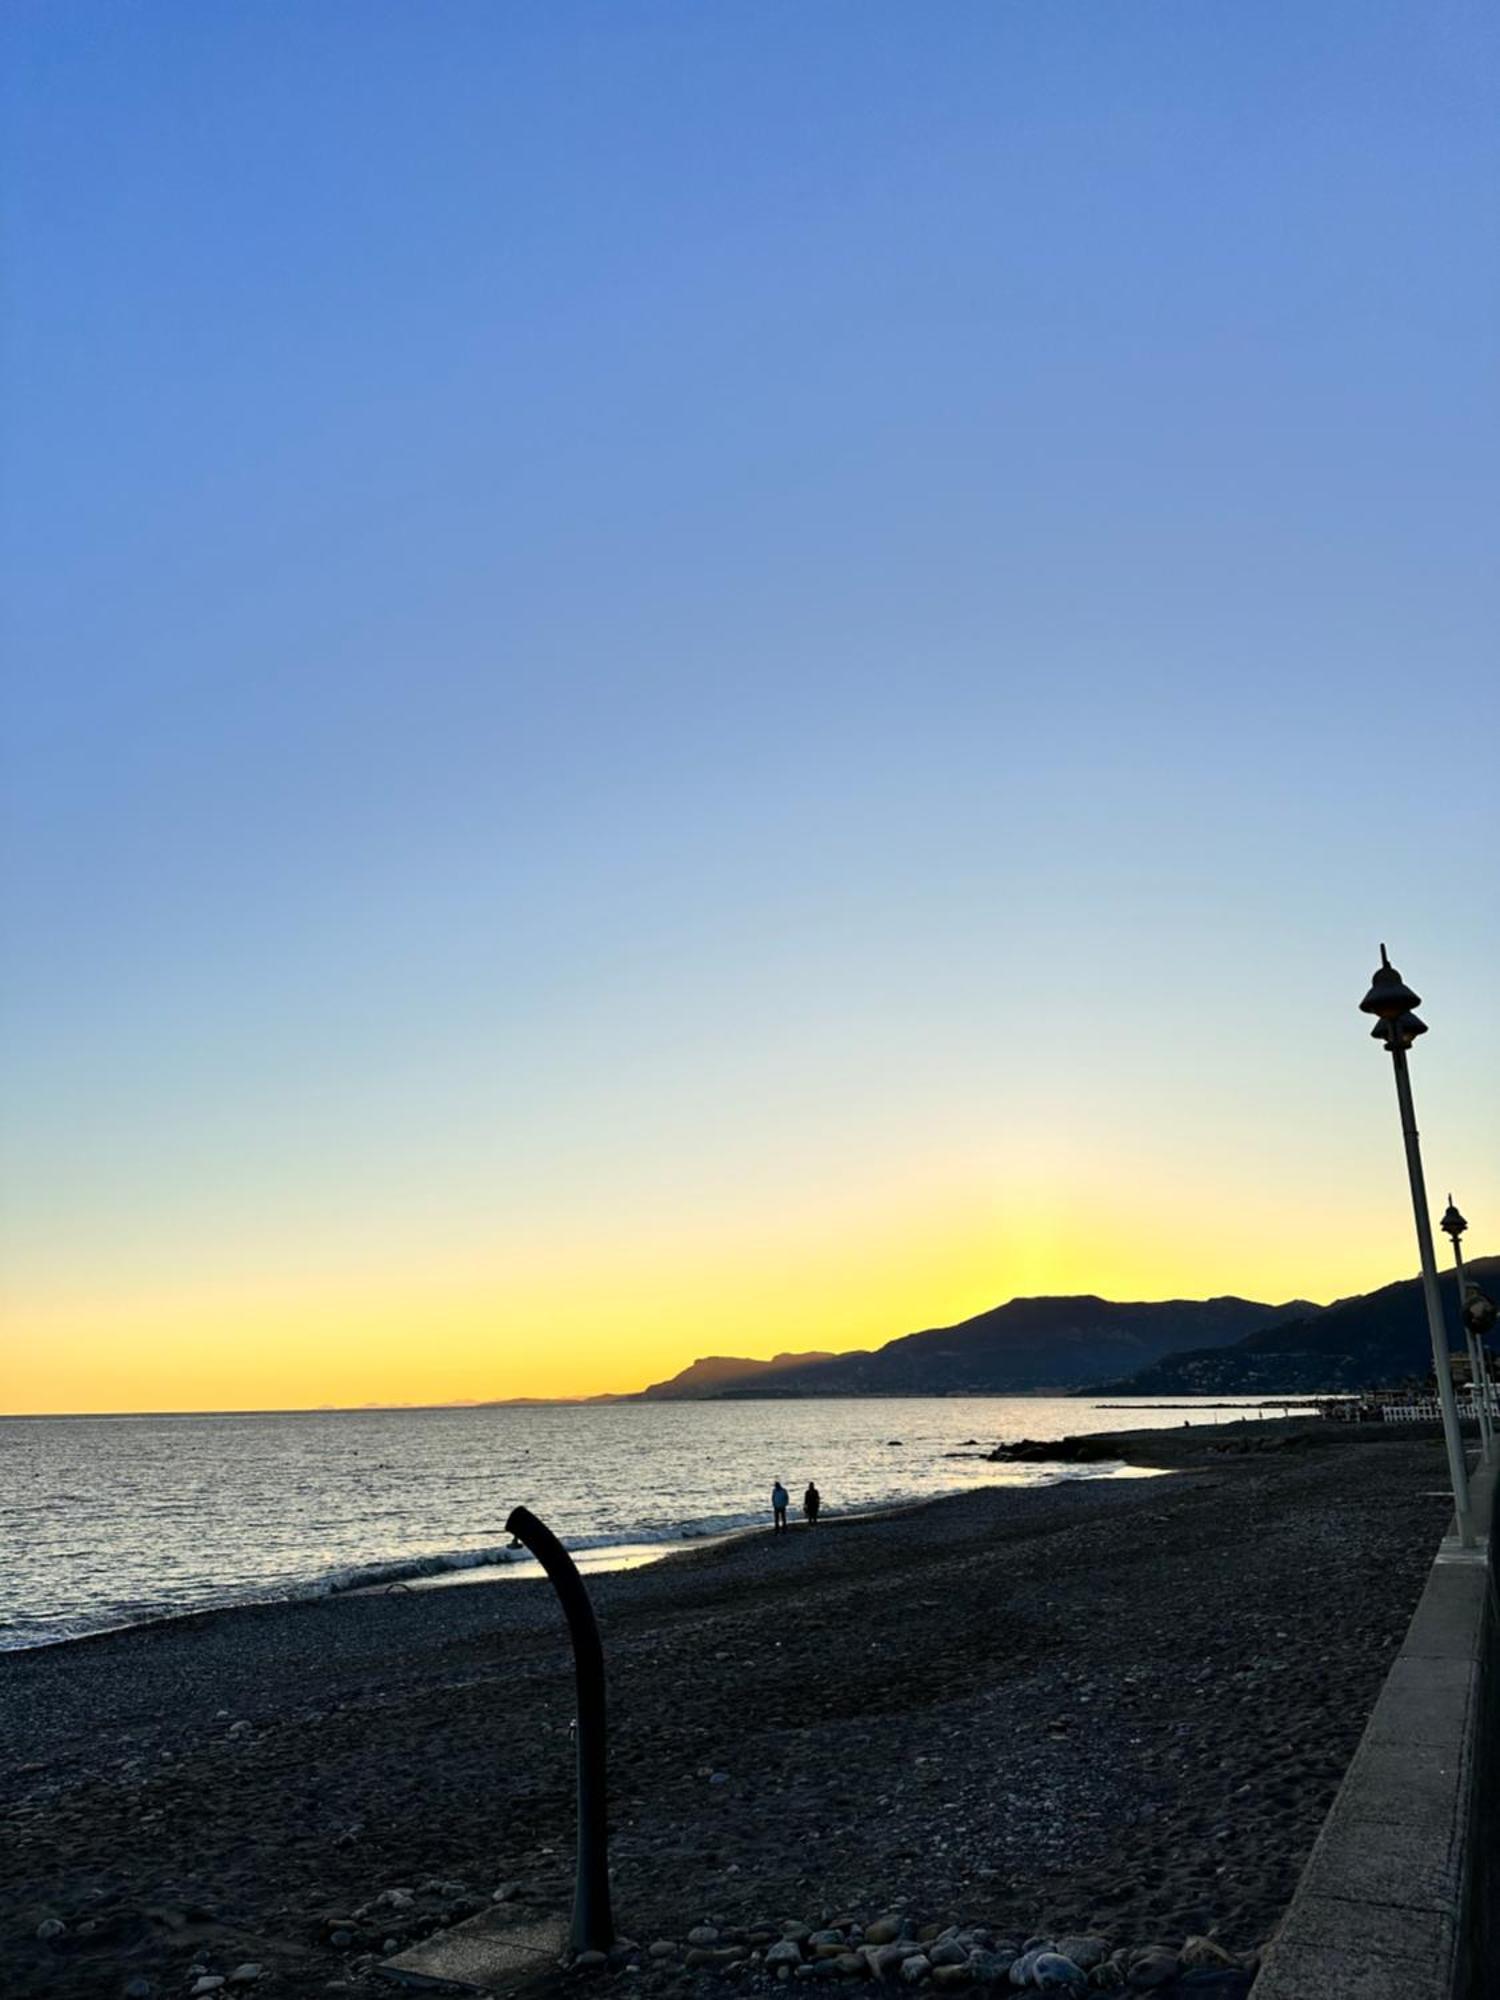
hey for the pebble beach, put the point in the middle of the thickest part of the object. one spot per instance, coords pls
(1075, 1735)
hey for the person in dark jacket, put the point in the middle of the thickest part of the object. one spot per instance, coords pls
(812, 1500)
(780, 1500)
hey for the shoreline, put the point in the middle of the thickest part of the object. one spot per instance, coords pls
(462, 1571)
(1098, 1705)
(1083, 1456)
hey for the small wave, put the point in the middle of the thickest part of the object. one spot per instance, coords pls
(410, 1569)
(175, 1598)
(403, 1569)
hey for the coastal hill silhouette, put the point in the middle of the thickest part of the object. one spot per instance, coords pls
(1223, 1346)
(1024, 1345)
(1368, 1341)
(715, 1373)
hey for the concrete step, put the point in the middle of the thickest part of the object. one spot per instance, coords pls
(499, 1951)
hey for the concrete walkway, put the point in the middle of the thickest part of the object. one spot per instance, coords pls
(1392, 1903)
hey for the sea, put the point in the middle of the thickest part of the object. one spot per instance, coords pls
(112, 1521)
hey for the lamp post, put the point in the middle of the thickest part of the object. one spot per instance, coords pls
(1479, 1316)
(1394, 1004)
(1453, 1226)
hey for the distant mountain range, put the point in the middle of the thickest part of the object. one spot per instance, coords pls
(1227, 1346)
(717, 1374)
(1026, 1346)
(1364, 1342)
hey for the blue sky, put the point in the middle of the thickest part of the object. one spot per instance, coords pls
(680, 633)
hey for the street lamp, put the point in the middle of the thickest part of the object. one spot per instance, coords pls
(1394, 1004)
(1479, 1316)
(1453, 1226)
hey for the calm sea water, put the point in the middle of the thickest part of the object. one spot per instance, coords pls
(110, 1521)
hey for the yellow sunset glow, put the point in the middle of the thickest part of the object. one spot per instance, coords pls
(623, 1310)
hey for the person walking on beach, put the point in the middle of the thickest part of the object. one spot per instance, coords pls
(780, 1500)
(812, 1500)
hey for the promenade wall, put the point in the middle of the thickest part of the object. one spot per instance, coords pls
(1397, 1901)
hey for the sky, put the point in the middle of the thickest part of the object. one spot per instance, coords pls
(715, 679)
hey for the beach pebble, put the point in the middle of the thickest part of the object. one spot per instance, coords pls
(590, 1961)
(718, 1777)
(915, 1970)
(506, 1893)
(663, 1948)
(239, 1728)
(1085, 1952)
(1052, 1972)
(209, 1983)
(395, 1899)
(1155, 1966)
(246, 1974)
(850, 1964)
(703, 1934)
(884, 1930)
(138, 1988)
(341, 1939)
(948, 1951)
(884, 1959)
(988, 1968)
(49, 1928)
(786, 1951)
(1106, 1976)
(1203, 1954)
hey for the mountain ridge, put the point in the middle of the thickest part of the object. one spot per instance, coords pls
(1367, 1340)
(1060, 1343)
(1075, 1344)
(711, 1374)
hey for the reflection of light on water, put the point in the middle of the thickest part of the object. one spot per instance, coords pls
(118, 1521)
(636, 1555)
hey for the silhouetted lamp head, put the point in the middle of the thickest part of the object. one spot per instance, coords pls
(1389, 995)
(1479, 1313)
(1398, 1034)
(1452, 1223)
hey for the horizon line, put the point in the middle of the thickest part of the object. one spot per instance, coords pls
(599, 1398)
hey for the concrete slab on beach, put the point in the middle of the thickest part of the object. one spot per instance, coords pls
(496, 1952)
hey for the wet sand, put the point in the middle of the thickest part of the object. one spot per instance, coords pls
(1120, 1706)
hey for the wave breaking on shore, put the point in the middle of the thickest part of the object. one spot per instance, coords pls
(619, 1546)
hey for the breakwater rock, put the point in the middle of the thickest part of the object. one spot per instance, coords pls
(1058, 1451)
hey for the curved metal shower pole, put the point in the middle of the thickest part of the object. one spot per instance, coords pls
(593, 1922)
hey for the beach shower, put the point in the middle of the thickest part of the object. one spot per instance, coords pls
(593, 1923)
